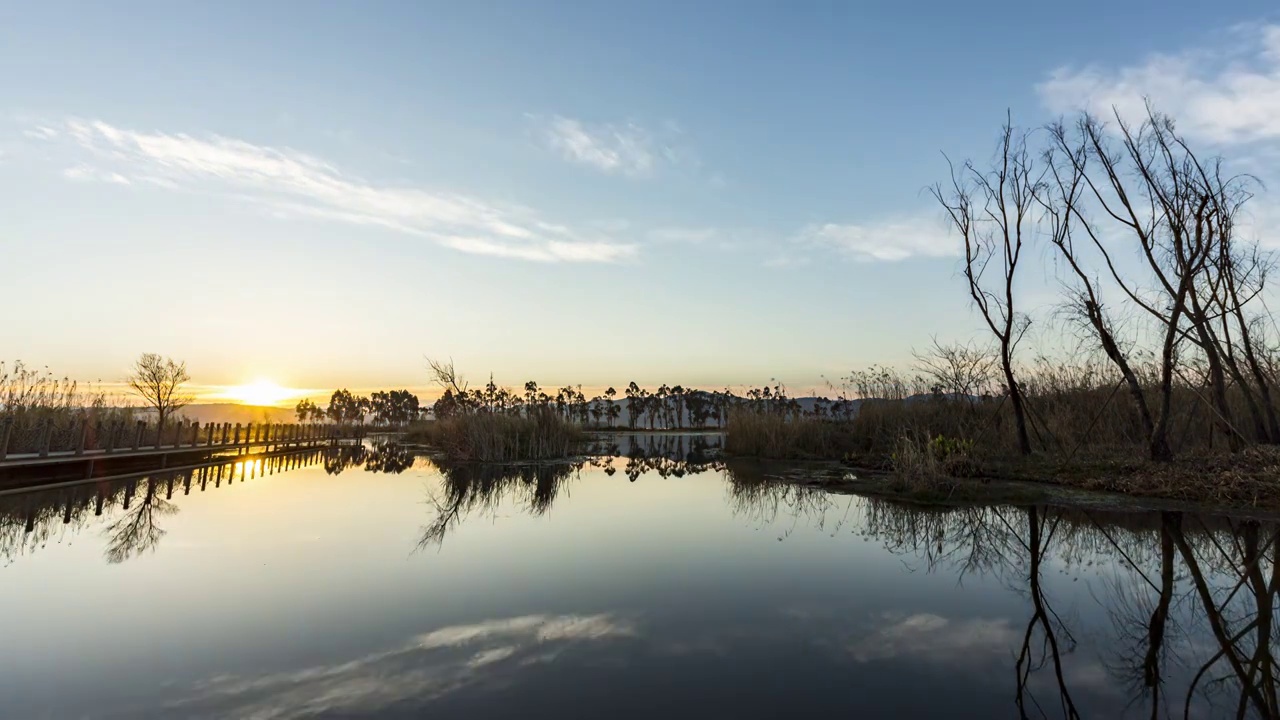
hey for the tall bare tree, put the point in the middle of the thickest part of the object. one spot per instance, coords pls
(1177, 212)
(159, 382)
(994, 211)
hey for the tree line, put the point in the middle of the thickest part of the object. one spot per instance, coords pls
(664, 408)
(394, 407)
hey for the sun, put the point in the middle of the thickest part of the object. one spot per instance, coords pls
(259, 392)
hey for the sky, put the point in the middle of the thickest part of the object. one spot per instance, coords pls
(706, 194)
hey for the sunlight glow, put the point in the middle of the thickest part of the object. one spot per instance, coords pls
(260, 392)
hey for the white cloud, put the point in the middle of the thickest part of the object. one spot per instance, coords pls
(1227, 94)
(626, 149)
(41, 132)
(293, 183)
(890, 240)
(483, 655)
(89, 173)
(935, 638)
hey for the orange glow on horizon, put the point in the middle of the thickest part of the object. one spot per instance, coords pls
(260, 392)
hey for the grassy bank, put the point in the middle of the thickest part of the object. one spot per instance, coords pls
(496, 437)
(932, 438)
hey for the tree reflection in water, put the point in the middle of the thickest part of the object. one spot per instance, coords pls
(132, 507)
(381, 457)
(473, 488)
(1192, 598)
(136, 530)
(1189, 600)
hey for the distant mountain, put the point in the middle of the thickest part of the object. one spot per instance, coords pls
(236, 413)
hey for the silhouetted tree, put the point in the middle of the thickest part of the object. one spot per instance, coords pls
(158, 381)
(993, 211)
(307, 411)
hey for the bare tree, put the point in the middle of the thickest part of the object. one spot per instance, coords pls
(444, 375)
(963, 371)
(994, 211)
(159, 382)
(1062, 212)
(1178, 212)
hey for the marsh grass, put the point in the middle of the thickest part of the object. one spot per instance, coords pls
(771, 435)
(1074, 409)
(500, 437)
(922, 463)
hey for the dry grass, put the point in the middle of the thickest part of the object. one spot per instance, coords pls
(1249, 479)
(770, 435)
(499, 437)
(31, 400)
(1072, 409)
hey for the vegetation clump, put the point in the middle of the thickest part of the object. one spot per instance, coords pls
(495, 437)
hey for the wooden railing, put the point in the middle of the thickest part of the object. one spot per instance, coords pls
(47, 437)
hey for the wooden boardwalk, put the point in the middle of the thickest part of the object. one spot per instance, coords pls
(65, 456)
(270, 461)
(89, 443)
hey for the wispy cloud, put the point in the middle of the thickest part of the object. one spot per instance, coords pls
(41, 132)
(889, 240)
(89, 173)
(294, 183)
(623, 149)
(935, 638)
(1225, 94)
(446, 661)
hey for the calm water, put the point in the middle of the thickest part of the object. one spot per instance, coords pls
(382, 586)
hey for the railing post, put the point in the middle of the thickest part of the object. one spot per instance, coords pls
(6, 429)
(236, 440)
(84, 435)
(137, 437)
(208, 435)
(248, 434)
(116, 425)
(195, 433)
(97, 435)
(45, 432)
(226, 433)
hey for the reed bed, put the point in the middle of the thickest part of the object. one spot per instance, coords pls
(500, 437)
(31, 400)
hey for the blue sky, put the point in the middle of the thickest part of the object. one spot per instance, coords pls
(702, 193)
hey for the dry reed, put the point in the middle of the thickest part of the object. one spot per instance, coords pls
(499, 437)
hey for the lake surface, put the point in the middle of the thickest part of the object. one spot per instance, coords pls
(375, 584)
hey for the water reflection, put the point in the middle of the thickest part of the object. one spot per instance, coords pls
(137, 530)
(1191, 599)
(383, 456)
(1175, 616)
(132, 507)
(480, 488)
(446, 661)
